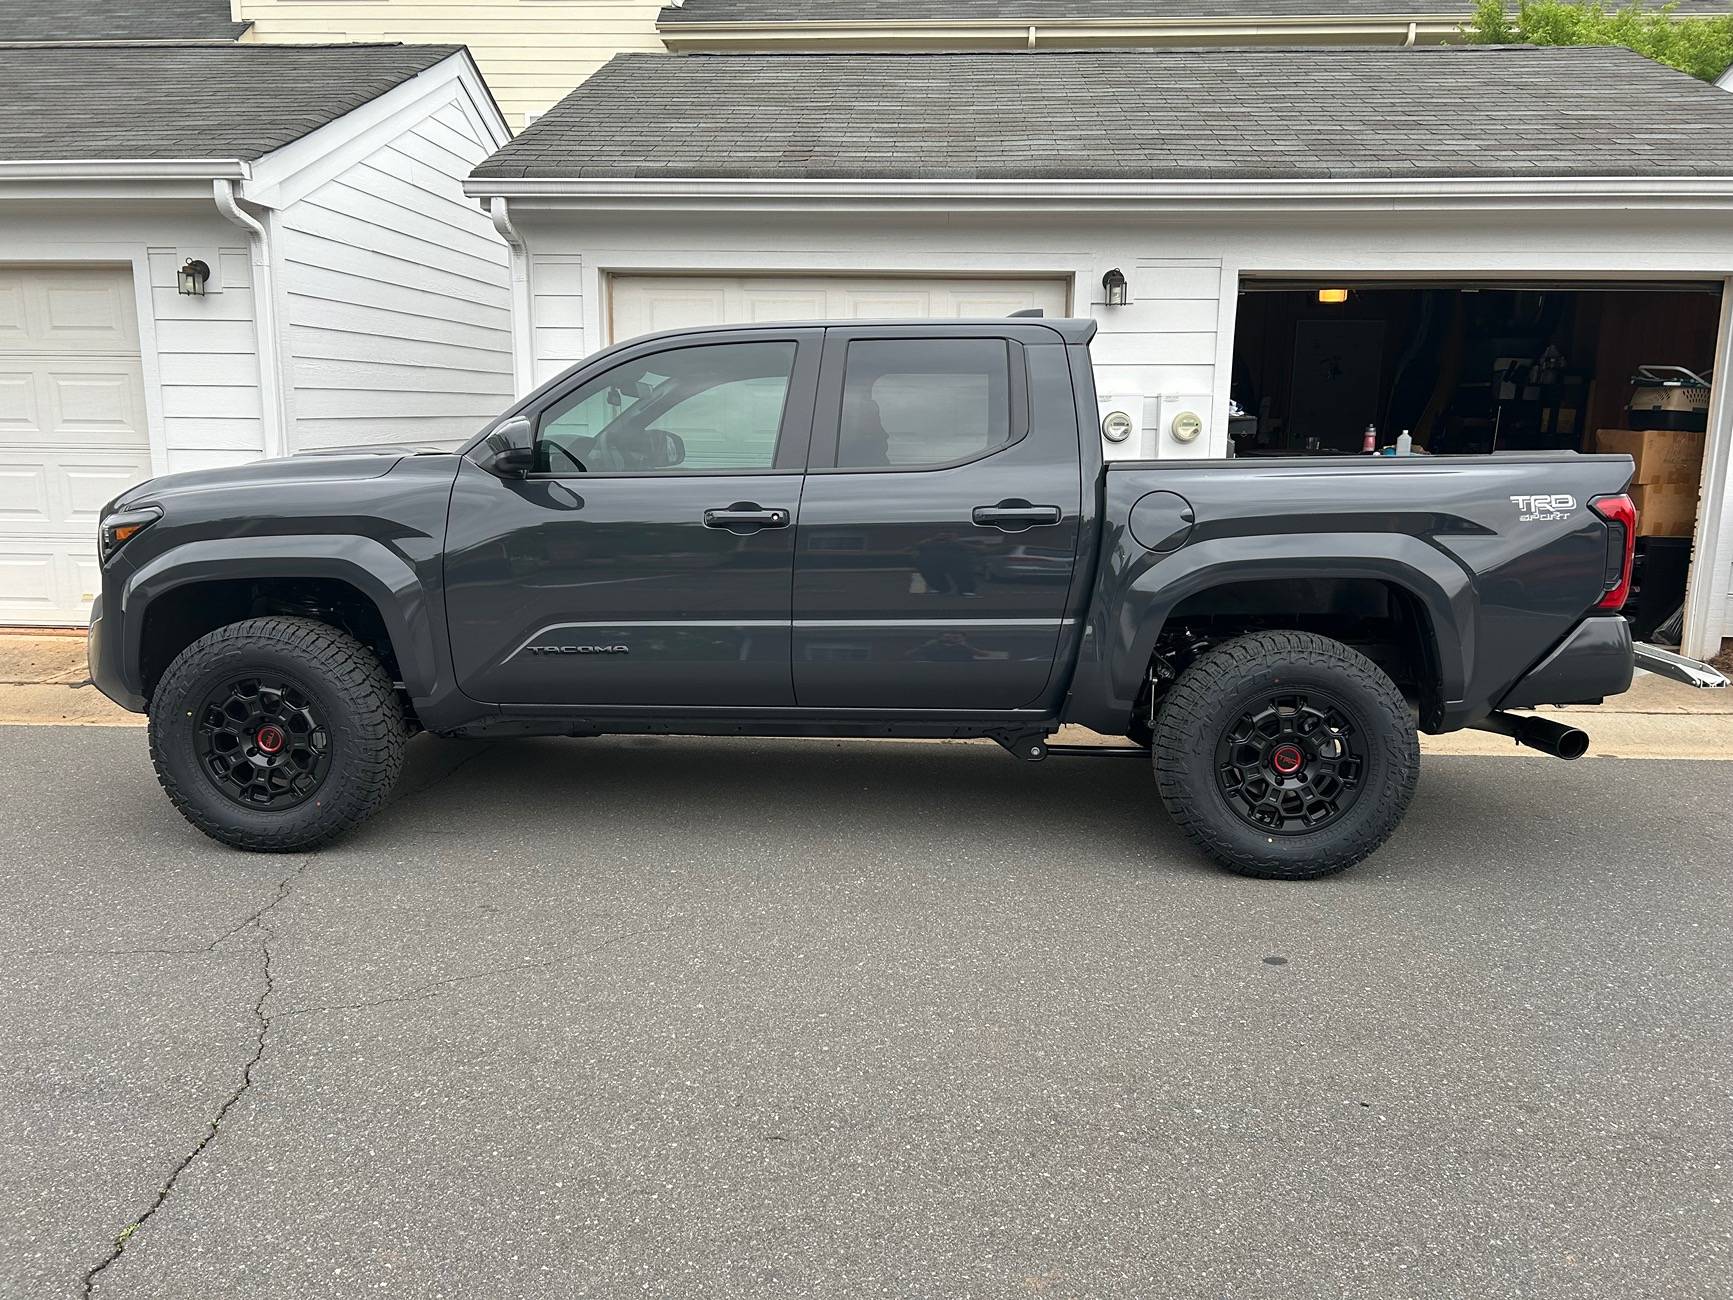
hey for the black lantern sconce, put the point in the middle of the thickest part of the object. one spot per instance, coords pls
(192, 277)
(1114, 283)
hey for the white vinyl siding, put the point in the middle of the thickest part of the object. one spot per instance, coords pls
(532, 52)
(398, 311)
(73, 431)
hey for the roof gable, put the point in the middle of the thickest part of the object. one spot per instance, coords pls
(141, 102)
(1196, 114)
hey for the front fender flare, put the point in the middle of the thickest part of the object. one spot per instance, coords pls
(411, 614)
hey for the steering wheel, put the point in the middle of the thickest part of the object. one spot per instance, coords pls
(577, 464)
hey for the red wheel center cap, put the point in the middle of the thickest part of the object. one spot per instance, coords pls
(269, 739)
(1287, 759)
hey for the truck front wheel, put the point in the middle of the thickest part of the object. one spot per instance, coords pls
(1285, 755)
(276, 734)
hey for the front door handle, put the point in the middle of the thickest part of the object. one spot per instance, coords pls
(1015, 515)
(745, 516)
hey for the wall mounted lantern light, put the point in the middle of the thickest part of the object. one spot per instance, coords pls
(192, 277)
(1114, 283)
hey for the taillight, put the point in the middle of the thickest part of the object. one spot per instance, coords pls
(1620, 514)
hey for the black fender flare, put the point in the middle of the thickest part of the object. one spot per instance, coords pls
(1137, 592)
(412, 614)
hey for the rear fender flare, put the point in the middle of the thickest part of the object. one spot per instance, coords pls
(1140, 591)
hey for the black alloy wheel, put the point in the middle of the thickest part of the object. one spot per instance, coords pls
(262, 744)
(1293, 762)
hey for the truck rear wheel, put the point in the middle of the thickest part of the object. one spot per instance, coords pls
(276, 734)
(1285, 755)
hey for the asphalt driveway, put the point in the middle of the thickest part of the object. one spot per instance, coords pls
(680, 1018)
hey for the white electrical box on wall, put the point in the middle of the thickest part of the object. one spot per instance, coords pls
(1182, 424)
(1121, 427)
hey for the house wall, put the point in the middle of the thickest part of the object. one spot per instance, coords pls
(200, 363)
(395, 295)
(1176, 336)
(532, 52)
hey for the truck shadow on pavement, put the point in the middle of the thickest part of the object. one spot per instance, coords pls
(733, 796)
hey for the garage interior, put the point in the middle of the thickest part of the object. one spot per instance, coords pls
(1466, 367)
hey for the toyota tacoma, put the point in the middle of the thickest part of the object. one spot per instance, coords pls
(860, 529)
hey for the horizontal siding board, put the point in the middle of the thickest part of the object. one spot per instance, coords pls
(204, 337)
(322, 343)
(392, 319)
(327, 237)
(1154, 349)
(376, 376)
(214, 432)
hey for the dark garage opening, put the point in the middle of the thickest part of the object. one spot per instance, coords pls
(1482, 367)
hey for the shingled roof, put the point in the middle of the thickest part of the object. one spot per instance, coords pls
(90, 102)
(117, 20)
(1354, 112)
(1061, 11)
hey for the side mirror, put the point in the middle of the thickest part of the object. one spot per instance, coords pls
(673, 448)
(510, 450)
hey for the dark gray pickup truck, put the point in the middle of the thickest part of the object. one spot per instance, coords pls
(860, 529)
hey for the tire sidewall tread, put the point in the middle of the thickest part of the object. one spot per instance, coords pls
(356, 699)
(1214, 690)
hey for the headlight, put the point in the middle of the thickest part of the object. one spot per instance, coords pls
(1116, 427)
(119, 529)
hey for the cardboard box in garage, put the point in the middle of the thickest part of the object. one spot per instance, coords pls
(1665, 509)
(1662, 455)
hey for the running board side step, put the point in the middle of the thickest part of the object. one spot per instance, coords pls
(1033, 748)
(1676, 667)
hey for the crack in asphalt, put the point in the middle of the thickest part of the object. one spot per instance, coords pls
(283, 887)
(437, 988)
(263, 1023)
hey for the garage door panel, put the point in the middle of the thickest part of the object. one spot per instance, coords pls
(99, 404)
(19, 410)
(24, 495)
(32, 585)
(85, 311)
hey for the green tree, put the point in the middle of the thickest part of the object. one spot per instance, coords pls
(1702, 46)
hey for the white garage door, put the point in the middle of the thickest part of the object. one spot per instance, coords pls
(644, 304)
(72, 431)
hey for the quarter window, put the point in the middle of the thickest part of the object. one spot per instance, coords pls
(694, 409)
(909, 402)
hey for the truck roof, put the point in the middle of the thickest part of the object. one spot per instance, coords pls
(1070, 329)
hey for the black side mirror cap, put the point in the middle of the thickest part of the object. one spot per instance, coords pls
(510, 450)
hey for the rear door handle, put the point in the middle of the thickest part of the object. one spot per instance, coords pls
(1015, 515)
(745, 516)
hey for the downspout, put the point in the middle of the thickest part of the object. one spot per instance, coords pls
(1413, 33)
(264, 319)
(522, 328)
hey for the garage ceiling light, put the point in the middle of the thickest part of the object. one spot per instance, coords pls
(1333, 296)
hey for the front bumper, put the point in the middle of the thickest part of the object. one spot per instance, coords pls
(1596, 660)
(102, 656)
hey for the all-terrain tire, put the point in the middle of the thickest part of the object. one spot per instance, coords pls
(347, 689)
(1216, 691)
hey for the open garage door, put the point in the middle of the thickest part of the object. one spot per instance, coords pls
(1478, 367)
(72, 431)
(647, 304)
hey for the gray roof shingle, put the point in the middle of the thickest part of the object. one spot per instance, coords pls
(117, 20)
(882, 11)
(1345, 111)
(81, 102)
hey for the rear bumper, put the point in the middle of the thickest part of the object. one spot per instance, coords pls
(102, 654)
(1596, 660)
